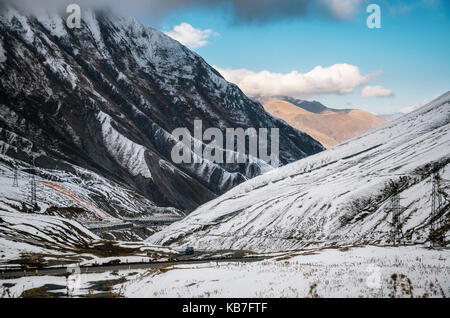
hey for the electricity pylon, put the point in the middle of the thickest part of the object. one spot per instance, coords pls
(437, 226)
(394, 208)
(33, 191)
(396, 232)
(16, 178)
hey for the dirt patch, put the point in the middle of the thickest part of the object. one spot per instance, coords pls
(44, 292)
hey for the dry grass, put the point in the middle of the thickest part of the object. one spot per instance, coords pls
(39, 292)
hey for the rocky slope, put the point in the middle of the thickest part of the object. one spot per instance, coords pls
(327, 125)
(340, 196)
(106, 98)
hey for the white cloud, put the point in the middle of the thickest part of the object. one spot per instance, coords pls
(343, 9)
(376, 91)
(411, 108)
(336, 79)
(188, 35)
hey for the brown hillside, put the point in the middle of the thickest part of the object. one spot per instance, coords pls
(330, 127)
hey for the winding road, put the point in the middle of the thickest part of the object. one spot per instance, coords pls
(61, 271)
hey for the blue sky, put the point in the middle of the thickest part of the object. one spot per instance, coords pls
(408, 56)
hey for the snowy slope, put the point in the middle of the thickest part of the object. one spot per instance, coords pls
(81, 196)
(39, 234)
(376, 272)
(349, 272)
(97, 198)
(70, 206)
(335, 197)
(31, 238)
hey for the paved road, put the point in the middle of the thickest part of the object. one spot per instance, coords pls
(61, 271)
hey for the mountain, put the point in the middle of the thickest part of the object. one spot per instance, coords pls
(79, 195)
(104, 99)
(329, 126)
(310, 106)
(340, 196)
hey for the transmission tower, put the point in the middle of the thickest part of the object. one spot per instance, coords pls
(437, 226)
(396, 233)
(394, 208)
(33, 191)
(16, 178)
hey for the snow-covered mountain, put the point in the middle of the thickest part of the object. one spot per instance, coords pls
(79, 195)
(340, 196)
(105, 98)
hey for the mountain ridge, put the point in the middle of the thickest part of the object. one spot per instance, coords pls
(106, 97)
(338, 197)
(327, 125)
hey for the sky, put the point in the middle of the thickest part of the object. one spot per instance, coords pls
(311, 49)
(320, 50)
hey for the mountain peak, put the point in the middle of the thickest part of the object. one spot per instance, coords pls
(311, 106)
(106, 98)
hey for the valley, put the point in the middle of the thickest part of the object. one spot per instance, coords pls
(94, 203)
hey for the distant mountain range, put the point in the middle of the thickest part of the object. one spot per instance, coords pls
(327, 125)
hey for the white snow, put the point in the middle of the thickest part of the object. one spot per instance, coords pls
(75, 285)
(53, 23)
(20, 23)
(332, 197)
(22, 233)
(365, 271)
(128, 153)
(80, 189)
(355, 272)
(90, 21)
(2, 52)
(123, 77)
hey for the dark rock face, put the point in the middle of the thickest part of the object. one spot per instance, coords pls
(107, 96)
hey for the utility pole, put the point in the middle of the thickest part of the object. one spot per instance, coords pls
(437, 231)
(16, 178)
